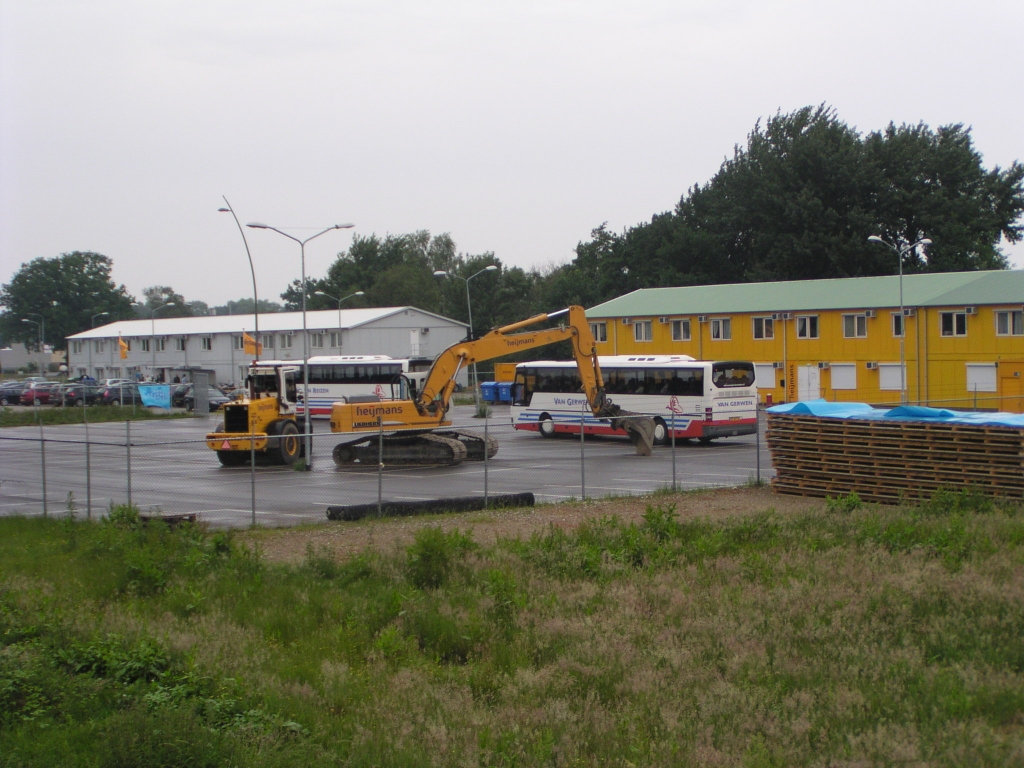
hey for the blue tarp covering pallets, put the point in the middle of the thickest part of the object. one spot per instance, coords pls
(888, 454)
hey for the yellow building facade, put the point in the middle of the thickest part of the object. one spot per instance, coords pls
(963, 336)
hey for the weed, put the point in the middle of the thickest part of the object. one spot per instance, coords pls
(433, 555)
(844, 504)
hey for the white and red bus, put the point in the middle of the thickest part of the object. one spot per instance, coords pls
(690, 398)
(340, 378)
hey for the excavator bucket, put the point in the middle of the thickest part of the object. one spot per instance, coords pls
(640, 430)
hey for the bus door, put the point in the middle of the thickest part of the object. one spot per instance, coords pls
(524, 386)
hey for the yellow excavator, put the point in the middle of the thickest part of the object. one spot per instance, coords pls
(415, 429)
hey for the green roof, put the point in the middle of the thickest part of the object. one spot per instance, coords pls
(928, 290)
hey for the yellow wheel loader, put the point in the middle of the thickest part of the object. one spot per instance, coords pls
(267, 417)
(415, 428)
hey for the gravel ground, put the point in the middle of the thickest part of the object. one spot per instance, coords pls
(289, 545)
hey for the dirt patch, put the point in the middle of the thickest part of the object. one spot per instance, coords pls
(288, 545)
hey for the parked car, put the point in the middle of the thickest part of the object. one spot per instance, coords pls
(79, 394)
(178, 394)
(39, 393)
(10, 391)
(120, 394)
(215, 397)
(114, 382)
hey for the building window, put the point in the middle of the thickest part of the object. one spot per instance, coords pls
(286, 342)
(599, 331)
(855, 326)
(764, 328)
(99, 346)
(160, 345)
(897, 324)
(844, 375)
(179, 344)
(207, 344)
(721, 328)
(807, 327)
(316, 340)
(268, 341)
(128, 345)
(1010, 323)
(236, 342)
(981, 377)
(643, 331)
(76, 347)
(953, 323)
(891, 377)
(680, 330)
(336, 340)
(145, 345)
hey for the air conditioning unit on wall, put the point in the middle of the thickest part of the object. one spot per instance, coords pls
(777, 366)
(702, 318)
(872, 366)
(627, 320)
(971, 310)
(869, 313)
(909, 312)
(824, 366)
(663, 320)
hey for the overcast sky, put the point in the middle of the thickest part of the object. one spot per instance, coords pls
(515, 127)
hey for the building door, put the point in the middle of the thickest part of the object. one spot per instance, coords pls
(808, 382)
(414, 342)
(1011, 387)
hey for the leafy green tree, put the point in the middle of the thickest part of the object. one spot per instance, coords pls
(244, 306)
(67, 290)
(159, 295)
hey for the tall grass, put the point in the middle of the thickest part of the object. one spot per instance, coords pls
(852, 635)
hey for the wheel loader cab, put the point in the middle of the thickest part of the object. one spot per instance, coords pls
(289, 389)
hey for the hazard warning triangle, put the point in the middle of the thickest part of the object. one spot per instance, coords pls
(225, 446)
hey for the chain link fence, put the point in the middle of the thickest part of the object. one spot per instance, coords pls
(165, 468)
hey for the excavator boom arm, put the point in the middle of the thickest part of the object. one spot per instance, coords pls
(440, 382)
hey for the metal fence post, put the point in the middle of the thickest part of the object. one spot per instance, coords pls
(88, 476)
(673, 429)
(757, 432)
(380, 465)
(583, 454)
(487, 418)
(128, 455)
(42, 453)
(252, 469)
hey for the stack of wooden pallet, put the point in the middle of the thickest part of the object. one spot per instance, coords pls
(886, 460)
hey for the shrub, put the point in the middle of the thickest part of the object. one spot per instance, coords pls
(433, 554)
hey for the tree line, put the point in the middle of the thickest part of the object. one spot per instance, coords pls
(796, 202)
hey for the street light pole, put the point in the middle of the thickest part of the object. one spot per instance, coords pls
(469, 312)
(321, 293)
(40, 327)
(255, 299)
(305, 335)
(152, 331)
(91, 342)
(901, 253)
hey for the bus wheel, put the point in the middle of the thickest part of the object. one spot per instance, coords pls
(546, 426)
(704, 440)
(661, 436)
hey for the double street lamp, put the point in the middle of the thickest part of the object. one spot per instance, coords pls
(305, 334)
(469, 311)
(901, 253)
(152, 325)
(332, 298)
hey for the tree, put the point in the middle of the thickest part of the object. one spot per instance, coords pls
(799, 201)
(244, 306)
(67, 290)
(160, 295)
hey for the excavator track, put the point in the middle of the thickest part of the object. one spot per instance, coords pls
(424, 448)
(474, 443)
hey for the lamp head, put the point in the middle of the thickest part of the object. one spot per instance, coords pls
(257, 225)
(490, 268)
(170, 304)
(440, 273)
(358, 293)
(344, 226)
(223, 210)
(101, 314)
(924, 241)
(319, 293)
(876, 239)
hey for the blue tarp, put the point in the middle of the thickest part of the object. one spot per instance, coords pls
(828, 410)
(155, 395)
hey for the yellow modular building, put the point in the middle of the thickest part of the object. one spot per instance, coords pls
(960, 335)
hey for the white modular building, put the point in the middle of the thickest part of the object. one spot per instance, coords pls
(163, 349)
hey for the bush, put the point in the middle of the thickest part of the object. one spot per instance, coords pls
(433, 555)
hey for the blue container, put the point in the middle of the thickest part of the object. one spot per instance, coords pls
(504, 392)
(488, 391)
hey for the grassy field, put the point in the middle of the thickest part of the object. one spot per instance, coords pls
(47, 414)
(847, 635)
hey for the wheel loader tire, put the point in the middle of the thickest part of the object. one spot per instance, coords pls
(285, 448)
(232, 458)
